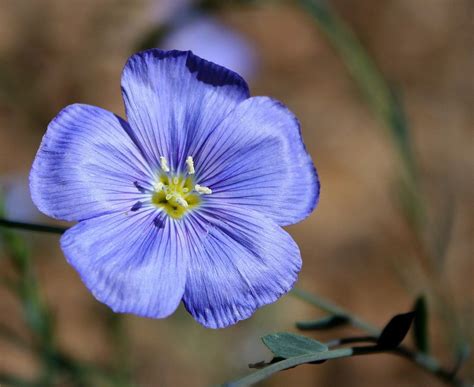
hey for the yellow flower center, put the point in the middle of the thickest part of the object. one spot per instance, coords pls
(177, 194)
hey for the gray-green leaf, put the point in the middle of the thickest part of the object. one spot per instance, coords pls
(286, 345)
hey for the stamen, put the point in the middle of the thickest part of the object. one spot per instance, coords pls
(181, 201)
(175, 193)
(158, 186)
(190, 165)
(202, 190)
(164, 164)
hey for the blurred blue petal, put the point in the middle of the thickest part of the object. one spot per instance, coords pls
(17, 199)
(212, 40)
(164, 11)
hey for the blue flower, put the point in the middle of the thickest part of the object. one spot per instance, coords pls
(186, 199)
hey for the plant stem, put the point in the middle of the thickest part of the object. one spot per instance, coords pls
(31, 226)
(289, 363)
(365, 72)
(425, 362)
(331, 308)
(337, 354)
(15, 381)
(351, 340)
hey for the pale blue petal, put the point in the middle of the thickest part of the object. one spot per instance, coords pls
(256, 158)
(240, 261)
(86, 165)
(132, 263)
(207, 37)
(173, 99)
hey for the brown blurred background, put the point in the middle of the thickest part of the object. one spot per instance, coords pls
(356, 247)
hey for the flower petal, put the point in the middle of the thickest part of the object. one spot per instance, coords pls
(174, 99)
(132, 263)
(86, 165)
(256, 158)
(244, 262)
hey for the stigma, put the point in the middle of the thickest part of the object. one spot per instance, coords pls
(177, 193)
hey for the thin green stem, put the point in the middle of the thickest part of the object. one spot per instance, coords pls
(365, 72)
(31, 226)
(266, 372)
(351, 340)
(331, 308)
(15, 381)
(39, 320)
(289, 363)
(425, 362)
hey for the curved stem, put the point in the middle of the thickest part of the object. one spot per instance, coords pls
(331, 308)
(32, 226)
(425, 362)
(289, 363)
(337, 354)
(351, 340)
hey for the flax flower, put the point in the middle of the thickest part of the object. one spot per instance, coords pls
(186, 198)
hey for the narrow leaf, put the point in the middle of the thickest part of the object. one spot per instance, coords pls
(420, 325)
(443, 226)
(395, 331)
(328, 322)
(286, 345)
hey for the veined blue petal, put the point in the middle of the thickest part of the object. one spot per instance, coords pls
(174, 99)
(132, 263)
(86, 165)
(244, 262)
(256, 158)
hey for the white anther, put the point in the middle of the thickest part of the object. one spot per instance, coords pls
(175, 180)
(190, 165)
(158, 186)
(185, 190)
(181, 201)
(164, 164)
(202, 190)
(169, 196)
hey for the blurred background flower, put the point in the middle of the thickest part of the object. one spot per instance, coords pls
(211, 39)
(17, 199)
(188, 25)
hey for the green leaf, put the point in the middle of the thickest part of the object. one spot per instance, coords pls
(328, 322)
(286, 345)
(396, 330)
(420, 325)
